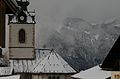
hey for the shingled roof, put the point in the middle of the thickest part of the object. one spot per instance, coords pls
(24, 66)
(53, 63)
(112, 61)
(5, 71)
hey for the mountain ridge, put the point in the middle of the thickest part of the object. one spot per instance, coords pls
(83, 44)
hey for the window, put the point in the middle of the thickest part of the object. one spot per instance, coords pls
(53, 77)
(22, 36)
(49, 77)
(26, 76)
(117, 77)
(58, 77)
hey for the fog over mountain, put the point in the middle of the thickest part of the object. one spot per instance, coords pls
(82, 43)
(50, 14)
(82, 31)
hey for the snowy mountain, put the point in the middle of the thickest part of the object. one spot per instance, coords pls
(83, 44)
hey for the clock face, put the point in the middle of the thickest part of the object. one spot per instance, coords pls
(21, 17)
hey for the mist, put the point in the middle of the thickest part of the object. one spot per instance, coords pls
(51, 13)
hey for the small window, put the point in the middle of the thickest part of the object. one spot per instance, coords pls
(53, 77)
(49, 77)
(117, 77)
(58, 77)
(22, 36)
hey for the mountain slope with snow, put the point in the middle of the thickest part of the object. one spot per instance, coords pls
(83, 44)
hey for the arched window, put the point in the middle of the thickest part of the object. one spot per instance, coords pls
(58, 77)
(49, 77)
(117, 77)
(22, 36)
(53, 77)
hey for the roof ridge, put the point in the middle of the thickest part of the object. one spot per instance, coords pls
(37, 63)
(52, 63)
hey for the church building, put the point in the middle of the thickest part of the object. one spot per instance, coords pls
(28, 62)
(22, 33)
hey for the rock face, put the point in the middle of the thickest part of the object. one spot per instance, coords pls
(83, 44)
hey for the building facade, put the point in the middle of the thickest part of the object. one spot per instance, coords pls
(39, 68)
(28, 62)
(22, 33)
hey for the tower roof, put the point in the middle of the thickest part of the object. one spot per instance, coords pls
(112, 61)
(52, 63)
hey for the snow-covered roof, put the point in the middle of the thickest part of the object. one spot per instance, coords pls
(3, 62)
(11, 77)
(93, 73)
(6, 71)
(21, 66)
(52, 63)
(25, 66)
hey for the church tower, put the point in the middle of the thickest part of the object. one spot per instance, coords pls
(22, 33)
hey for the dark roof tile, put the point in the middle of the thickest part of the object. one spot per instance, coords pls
(112, 61)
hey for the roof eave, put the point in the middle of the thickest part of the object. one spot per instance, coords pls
(12, 6)
(38, 73)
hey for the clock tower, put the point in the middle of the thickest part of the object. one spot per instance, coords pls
(22, 33)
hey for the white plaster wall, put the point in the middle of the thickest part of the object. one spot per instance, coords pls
(21, 52)
(14, 35)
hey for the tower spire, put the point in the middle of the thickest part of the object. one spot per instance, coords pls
(23, 4)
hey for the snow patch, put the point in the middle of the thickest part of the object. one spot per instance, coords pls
(87, 32)
(96, 36)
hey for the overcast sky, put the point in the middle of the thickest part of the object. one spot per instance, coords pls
(51, 13)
